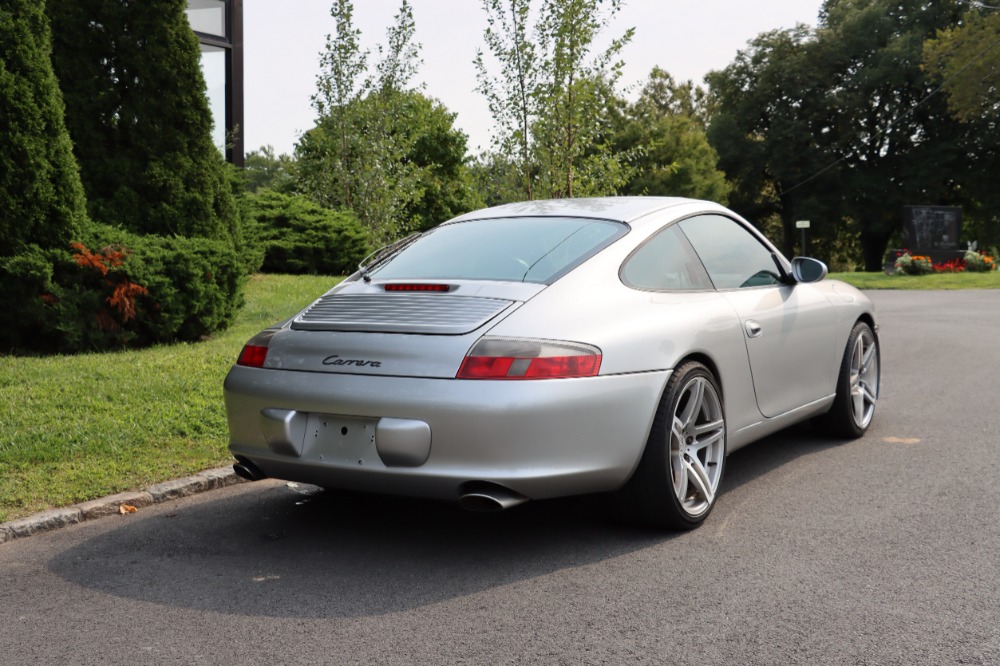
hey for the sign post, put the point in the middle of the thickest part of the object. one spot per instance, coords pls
(803, 225)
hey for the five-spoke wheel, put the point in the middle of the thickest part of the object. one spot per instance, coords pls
(678, 477)
(857, 385)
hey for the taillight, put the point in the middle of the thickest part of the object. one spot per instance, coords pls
(255, 350)
(518, 358)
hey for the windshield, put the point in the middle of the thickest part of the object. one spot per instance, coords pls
(517, 249)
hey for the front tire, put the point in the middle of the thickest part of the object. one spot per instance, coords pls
(857, 385)
(677, 480)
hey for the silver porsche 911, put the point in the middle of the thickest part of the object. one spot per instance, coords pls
(551, 348)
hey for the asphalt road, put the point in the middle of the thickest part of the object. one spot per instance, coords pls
(884, 550)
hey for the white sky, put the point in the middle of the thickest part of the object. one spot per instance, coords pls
(283, 40)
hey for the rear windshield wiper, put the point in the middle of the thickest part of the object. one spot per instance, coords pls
(384, 254)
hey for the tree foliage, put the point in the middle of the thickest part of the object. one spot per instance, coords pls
(664, 133)
(768, 126)
(263, 169)
(966, 58)
(136, 109)
(437, 177)
(551, 96)
(839, 124)
(41, 199)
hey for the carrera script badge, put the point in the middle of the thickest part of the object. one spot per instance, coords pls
(356, 362)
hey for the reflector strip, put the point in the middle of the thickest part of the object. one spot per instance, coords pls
(252, 356)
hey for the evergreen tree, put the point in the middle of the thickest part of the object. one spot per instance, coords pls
(136, 109)
(41, 200)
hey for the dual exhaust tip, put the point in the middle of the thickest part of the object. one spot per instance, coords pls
(479, 496)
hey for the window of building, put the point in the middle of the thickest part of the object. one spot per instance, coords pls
(208, 16)
(213, 66)
(219, 27)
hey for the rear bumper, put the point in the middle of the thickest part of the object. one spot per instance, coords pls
(542, 439)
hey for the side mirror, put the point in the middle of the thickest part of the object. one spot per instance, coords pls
(806, 269)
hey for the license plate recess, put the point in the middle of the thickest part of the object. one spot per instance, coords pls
(337, 439)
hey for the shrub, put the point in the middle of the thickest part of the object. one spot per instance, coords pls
(977, 262)
(114, 289)
(300, 236)
(915, 264)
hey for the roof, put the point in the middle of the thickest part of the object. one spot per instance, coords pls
(621, 209)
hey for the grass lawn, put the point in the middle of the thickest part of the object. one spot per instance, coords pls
(935, 281)
(74, 428)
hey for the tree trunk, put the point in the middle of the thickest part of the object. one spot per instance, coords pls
(873, 250)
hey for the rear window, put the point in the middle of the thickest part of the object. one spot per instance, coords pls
(516, 249)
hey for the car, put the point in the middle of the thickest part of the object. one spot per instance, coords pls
(620, 345)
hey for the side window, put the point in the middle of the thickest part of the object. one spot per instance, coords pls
(665, 262)
(733, 257)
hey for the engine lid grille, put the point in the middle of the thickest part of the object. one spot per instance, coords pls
(404, 312)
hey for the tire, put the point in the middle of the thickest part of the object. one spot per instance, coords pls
(677, 480)
(857, 386)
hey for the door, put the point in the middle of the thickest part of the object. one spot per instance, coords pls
(789, 330)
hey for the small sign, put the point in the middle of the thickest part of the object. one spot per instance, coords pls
(802, 224)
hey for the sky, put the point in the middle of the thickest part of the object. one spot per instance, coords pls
(283, 40)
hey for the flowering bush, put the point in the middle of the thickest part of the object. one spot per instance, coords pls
(977, 262)
(132, 290)
(913, 264)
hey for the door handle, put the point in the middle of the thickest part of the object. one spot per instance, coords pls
(753, 328)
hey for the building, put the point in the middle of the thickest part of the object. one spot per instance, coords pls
(219, 27)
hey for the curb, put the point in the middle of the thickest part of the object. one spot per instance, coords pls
(111, 505)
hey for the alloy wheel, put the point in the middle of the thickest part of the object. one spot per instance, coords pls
(697, 446)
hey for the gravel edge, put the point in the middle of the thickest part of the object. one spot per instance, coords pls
(112, 504)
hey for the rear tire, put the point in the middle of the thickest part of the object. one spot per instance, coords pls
(677, 480)
(857, 386)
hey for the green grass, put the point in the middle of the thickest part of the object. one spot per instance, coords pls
(74, 428)
(935, 281)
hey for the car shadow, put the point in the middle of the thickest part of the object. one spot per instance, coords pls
(287, 550)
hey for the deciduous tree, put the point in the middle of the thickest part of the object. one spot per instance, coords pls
(841, 123)
(663, 131)
(551, 97)
(380, 147)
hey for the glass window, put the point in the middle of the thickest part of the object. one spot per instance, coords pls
(213, 67)
(207, 16)
(521, 249)
(665, 262)
(733, 257)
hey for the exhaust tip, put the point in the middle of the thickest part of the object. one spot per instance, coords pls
(247, 470)
(488, 497)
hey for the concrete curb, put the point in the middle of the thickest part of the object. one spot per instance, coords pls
(111, 505)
